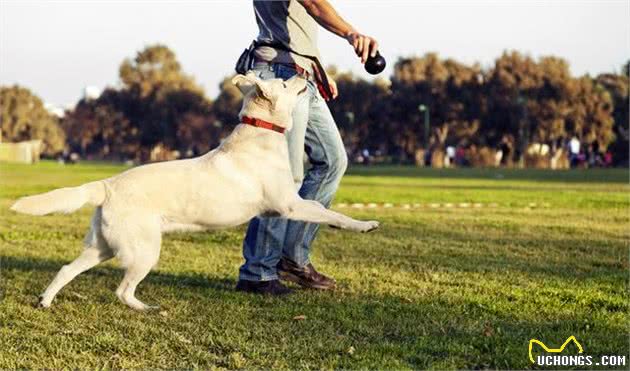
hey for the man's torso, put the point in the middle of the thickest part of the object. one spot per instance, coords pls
(286, 23)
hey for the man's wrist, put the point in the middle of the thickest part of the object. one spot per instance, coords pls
(350, 32)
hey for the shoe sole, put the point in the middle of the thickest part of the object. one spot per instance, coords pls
(250, 290)
(286, 276)
(254, 292)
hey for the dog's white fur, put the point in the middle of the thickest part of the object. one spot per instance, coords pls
(246, 176)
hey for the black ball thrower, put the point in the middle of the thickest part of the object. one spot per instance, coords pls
(375, 65)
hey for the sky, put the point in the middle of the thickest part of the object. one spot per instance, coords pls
(56, 48)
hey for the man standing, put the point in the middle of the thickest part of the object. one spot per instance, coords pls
(286, 45)
(574, 152)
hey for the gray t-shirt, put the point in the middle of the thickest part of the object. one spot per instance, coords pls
(287, 23)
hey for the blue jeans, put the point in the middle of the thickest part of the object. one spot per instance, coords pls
(315, 133)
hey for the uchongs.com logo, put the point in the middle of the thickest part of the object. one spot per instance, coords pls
(580, 359)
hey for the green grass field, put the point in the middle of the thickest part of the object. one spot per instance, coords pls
(435, 287)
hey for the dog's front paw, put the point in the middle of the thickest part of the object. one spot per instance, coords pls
(368, 226)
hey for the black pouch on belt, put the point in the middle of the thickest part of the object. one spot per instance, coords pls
(244, 62)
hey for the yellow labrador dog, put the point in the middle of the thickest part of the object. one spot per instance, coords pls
(246, 176)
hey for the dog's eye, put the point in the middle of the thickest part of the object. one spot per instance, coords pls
(284, 84)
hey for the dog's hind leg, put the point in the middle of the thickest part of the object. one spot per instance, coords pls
(126, 292)
(96, 251)
(139, 250)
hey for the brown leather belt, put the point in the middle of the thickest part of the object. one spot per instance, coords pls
(305, 74)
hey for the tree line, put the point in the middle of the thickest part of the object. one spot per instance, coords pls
(160, 112)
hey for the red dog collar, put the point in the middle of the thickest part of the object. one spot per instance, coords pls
(262, 124)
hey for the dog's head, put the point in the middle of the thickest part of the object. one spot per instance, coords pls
(270, 100)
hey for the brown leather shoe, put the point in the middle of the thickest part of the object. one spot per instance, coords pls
(305, 276)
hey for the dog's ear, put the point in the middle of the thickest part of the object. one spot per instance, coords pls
(296, 84)
(246, 82)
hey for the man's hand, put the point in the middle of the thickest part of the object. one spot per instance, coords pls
(363, 45)
(333, 88)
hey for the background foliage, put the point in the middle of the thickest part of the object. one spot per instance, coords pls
(515, 102)
(23, 117)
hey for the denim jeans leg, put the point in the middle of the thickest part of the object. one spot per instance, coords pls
(262, 247)
(328, 162)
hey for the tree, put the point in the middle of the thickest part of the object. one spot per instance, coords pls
(512, 89)
(101, 127)
(617, 87)
(23, 117)
(227, 104)
(361, 112)
(156, 71)
(540, 101)
(590, 117)
(160, 95)
(451, 91)
(158, 105)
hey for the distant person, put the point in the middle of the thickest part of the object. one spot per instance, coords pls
(450, 156)
(427, 157)
(597, 153)
(591, 156)
(506, 150)
(608, 159)
(287, 46)
(574, 151)
(460, 156)
(366, 156)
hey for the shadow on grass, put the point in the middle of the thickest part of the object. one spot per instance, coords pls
(510, 187)
(384, 330)
(11, 263)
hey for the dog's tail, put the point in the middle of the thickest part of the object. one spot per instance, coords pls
(63, 200)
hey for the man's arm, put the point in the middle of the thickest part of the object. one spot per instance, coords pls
(324, 13)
